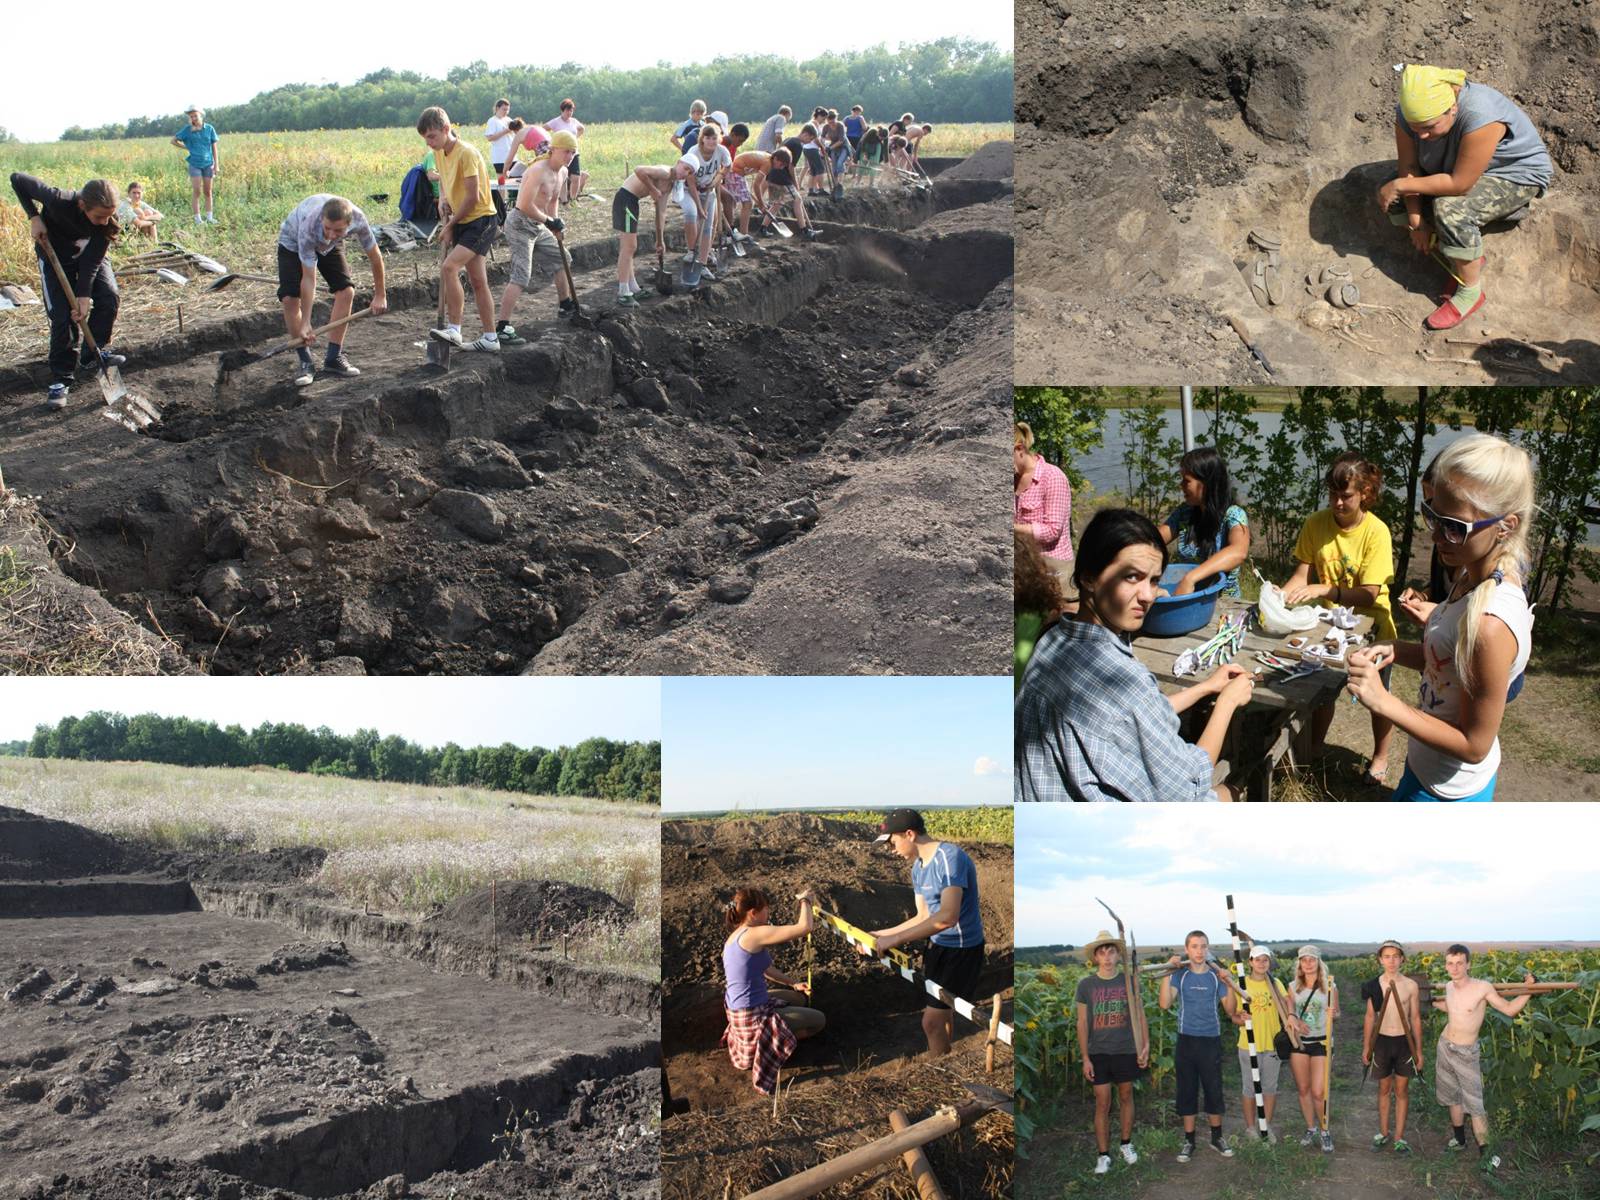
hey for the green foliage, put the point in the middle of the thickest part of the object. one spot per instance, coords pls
(952, 79)
(1066, 423)
(987, 825)
(1149, 457)
(595, 767)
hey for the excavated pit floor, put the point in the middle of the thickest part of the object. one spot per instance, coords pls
(238, 1056)
(776, 474)
(1153, 142)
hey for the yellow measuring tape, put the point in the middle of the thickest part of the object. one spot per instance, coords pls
(898, 956)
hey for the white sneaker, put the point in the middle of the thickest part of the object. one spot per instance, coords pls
(199, 220)
(1102, 1165)
(1128, 1156)
(486, 344)
(453, 336)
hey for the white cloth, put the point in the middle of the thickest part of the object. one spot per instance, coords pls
(563, 125)
(501, 150)
(704, 169)
(1440, 695)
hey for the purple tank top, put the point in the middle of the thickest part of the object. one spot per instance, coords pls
(747, 975)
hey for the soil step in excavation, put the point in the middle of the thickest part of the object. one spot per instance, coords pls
(1255, 250)
(778, 473)
(841, 1085)
(200, 1053)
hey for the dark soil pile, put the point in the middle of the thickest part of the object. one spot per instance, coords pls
(35, 847)
(536, 910)
(1279, 116)
(993, 161)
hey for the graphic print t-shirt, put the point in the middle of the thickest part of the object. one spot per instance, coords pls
(1107, 1002)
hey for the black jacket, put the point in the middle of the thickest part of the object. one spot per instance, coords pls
(79, 243)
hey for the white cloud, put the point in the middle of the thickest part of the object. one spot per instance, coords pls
(986, 766)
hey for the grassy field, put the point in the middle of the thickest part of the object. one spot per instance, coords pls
(390, 846)
(264, 175)
(989, 825)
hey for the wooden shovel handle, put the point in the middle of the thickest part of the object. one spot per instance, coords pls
(334, 325)
(72, 300)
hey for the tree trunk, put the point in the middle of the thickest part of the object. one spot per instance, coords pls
(1418, 435)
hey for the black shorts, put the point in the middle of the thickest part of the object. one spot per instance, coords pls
(575, 167)
(814, 160)
(625, 211)
(780, 177)
(955, 970)
(476, 236)
(1391, 1055)
(335, 273)
(1313, 1047)
(1114, 1068)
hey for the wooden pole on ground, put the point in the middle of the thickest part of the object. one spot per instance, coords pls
(864, 1158)
(994, 1029)
(917, 1162)
(777, 1090)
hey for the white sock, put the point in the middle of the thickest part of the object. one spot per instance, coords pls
(453, 328)
(490, 335)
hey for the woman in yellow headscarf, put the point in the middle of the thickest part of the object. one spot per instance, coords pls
(1467, 156)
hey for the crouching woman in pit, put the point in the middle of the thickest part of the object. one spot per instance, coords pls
(764, 1023)
(1091, 722)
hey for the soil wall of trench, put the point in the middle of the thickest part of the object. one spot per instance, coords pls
(413, 520)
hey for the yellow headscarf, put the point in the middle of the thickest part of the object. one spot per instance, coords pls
(1425, 92)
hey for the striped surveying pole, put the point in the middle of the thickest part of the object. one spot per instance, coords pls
(1249, 1024)
(899, 962)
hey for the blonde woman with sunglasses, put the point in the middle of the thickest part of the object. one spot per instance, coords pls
(1477, 639)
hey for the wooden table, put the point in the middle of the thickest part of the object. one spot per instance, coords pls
(1278, 716)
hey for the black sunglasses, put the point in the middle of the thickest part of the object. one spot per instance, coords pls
(1453, 529)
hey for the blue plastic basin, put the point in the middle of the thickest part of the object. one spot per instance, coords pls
(1174, 616)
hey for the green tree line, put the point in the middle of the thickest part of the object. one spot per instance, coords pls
(594, 767)
(949, 80)
(1281, 476)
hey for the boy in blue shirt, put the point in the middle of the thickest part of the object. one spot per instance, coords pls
(946, 884)
(200, 140)
(1198, 1060)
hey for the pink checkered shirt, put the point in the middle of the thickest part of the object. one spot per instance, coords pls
(1046, 505)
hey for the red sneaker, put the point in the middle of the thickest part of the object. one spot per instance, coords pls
(1448, 316)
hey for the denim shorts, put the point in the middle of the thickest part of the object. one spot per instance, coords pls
(202, 172)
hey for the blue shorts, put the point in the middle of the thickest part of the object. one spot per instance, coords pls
(1411, 789)
(202, 172)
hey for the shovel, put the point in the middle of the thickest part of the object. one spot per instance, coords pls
(232, 277)
(663, 276)
(727, 229)
(234, 359)
(165, 273)
(132, 412)
(778, 226)
(578, 318)
(690, 275)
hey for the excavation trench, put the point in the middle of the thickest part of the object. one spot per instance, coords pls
(307, 1050)
(637, 472)
(1280, 119)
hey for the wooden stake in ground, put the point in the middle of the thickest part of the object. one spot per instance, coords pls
(994, 1028)
(917, 1162)
(1328, 989)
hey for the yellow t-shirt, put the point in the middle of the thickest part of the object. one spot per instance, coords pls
(1263, 1015)
(462, 163)
(1355, 557)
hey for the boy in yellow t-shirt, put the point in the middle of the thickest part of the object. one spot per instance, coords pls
(1265, 1024)
(467, 228)
(1353, 555)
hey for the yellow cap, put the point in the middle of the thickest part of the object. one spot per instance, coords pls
(563, 141)
(1426, 92)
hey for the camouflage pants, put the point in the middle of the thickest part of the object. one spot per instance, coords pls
(1459, 220)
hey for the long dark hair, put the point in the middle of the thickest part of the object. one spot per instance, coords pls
(745, 901)
(1206, 465)
(1108, 534)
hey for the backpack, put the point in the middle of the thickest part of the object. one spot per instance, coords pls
(416, 197)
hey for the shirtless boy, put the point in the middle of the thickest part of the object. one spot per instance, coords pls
(530, 230)
(1458, 1077)
(1390, 1055)
(654, 182)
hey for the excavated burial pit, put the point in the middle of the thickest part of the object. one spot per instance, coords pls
(1240, 135)
(450, 1062)
(659, 420)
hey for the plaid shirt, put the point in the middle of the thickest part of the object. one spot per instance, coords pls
(1046, 505)
(1091, 724)
(759, 1041)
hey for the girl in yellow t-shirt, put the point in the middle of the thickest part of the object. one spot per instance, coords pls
(1349, 549)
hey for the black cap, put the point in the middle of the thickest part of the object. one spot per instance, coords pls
(899, 821)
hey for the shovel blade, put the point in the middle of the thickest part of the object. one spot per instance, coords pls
(171, 276)
(991, 1096)
(663, 282)
(783, 230)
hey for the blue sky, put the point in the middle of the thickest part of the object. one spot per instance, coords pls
(1344, 872)
(228, 52)
(831, 743)
(429, 710)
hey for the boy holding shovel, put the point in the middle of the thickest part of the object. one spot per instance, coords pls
(654, 182)
(1107, 1045)
(1198, 1058)
(530, 230)
(308, 242)
(1391, 1039)
(1457, 1073)
(466, 228)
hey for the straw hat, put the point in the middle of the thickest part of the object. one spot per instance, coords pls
(1103, 938)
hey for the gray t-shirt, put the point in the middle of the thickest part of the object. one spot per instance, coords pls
(301, 230)
(771, 133)
(1107, 1002)
(1519, 158)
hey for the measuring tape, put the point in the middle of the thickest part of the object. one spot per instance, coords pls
(899, 961)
